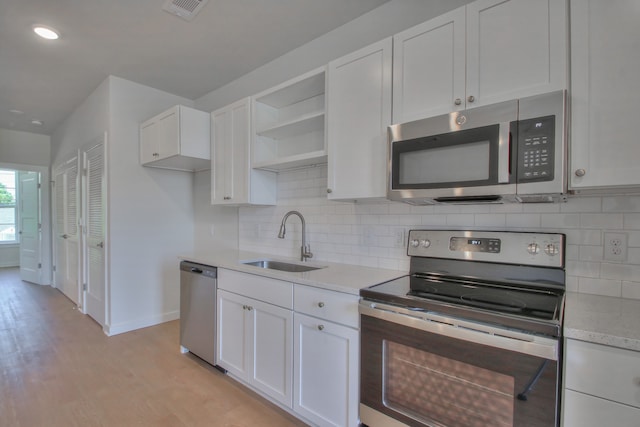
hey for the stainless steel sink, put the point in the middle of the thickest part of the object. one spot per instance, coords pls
(281, 266)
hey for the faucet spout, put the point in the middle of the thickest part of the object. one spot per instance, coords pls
(305, 250)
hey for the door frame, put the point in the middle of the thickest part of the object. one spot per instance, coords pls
(46, 276)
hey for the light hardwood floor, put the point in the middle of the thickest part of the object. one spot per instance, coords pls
(57, 368)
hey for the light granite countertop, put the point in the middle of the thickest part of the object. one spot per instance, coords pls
(336, 277)
(603, 320)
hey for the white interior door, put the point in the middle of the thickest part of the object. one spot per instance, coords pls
(66, 230)
(94, 230)
(30, 229)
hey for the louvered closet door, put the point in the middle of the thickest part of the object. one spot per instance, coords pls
(66, 233)
(94, 219)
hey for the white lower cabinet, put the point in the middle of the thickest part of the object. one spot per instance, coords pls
(298, 345)
(601, 386)
(326, 356)
(326, 371)
(255, 338)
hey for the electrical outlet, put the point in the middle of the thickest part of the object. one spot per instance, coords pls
(615, 246)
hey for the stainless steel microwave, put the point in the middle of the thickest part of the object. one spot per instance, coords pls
(513, 151)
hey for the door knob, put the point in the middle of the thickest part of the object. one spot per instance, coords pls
(100, 245)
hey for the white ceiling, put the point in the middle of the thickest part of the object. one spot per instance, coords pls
(138, 41)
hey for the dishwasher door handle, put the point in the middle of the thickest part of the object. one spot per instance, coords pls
(196, 270)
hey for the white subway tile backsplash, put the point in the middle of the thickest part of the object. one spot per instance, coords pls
(621, 204)
(603, 220)
(611, 288)
(367, 233)
(631, 290)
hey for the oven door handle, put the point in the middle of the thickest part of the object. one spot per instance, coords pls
(506, 339)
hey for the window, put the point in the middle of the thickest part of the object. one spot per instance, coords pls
(8, 211)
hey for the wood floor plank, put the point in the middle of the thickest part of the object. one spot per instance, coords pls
(57, 368)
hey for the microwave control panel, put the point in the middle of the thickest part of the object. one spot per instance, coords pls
(536, 148)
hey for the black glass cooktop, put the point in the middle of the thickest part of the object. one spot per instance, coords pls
(538, 304)
(507, 305)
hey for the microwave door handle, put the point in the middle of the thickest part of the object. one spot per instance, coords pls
(504, 148)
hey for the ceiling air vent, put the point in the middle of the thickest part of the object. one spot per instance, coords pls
(185, 9)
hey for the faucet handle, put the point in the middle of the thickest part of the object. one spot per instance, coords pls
(306, 252)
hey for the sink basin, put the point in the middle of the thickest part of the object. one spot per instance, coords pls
(281, 266)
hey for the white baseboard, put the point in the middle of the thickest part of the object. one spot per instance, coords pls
(121, 328)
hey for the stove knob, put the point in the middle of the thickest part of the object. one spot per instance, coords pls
(415, 243)
(425, 243)
(551, 249)
(533, 248)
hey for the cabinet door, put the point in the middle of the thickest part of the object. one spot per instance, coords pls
(272, 350)
(169, 133)
(515, 48)
(604, 85)
(429, 68)
(230, 149)
(233, 339)
(326, 372)
(149, 134)
(359, 100)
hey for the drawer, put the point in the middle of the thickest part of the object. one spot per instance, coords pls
(582, 410)
(608, 372)
(334, 306)
(265, 289)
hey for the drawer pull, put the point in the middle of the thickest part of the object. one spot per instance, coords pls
(320, 304)
(320, 327)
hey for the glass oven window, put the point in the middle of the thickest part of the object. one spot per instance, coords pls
(432, 388)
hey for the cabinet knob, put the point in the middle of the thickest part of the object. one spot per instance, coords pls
(320, 327)
(156, 154)
(329, 190)
(458, 101)
(580, 172)
(320, 304)
(226, 198)
(471, 98)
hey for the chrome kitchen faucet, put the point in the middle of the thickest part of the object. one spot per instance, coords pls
(305, 250)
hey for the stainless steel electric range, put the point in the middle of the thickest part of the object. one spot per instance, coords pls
(471, 337)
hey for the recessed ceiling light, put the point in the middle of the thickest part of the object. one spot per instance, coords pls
(36, 122)
(46, 32)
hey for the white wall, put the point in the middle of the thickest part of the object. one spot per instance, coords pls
(149, 211)
(150, 215)
(24, 147)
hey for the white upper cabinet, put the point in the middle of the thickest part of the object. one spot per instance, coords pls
(288, 123)
(177, 138)
(233, 182)
(485, 52)
(429, 68)
(605, 66)
(359, 111)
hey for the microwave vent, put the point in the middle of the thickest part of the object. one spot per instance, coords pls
(185, 9)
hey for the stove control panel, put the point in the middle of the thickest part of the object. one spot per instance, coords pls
(540, 249)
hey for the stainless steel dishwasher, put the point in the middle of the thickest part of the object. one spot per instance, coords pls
(198, 310)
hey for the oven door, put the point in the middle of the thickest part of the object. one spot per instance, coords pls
(424, 369)
(459, 155)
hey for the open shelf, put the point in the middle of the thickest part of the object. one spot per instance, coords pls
(289, 122)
